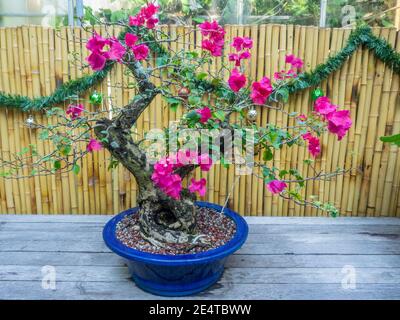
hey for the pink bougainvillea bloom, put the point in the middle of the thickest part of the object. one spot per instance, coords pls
(205, 162)
(323, 106)
(75, 111)
(151, 23)
(172, 186)
(140, 51)
(93, 145)
(117, 50)
(149, 10)
(136, 20)
(240, 43)
(291, 74)
(198, 186)
(260, 91)
(213, 47)
(130, 39)
(245, 55)
(294, 61)
(314, 146)
(279, 75)
(213, 37)
(276, 186)
(97, 61)
(205, 114)
(96, 43)
(339, 122)
(145, 16)
(236, 80)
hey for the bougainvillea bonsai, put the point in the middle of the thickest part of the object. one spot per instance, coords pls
(222, 101)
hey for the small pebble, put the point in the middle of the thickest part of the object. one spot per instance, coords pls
(217, 228)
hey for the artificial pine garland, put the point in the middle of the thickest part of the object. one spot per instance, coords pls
(361, 36)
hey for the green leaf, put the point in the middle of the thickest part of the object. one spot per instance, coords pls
(219, 114)
(201, 75)
(194, 100)
(65, 149)
(267, 154)
(392, 139)
(57, 165)
(76, 169)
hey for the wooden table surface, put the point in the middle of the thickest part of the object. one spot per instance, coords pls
(283, 258)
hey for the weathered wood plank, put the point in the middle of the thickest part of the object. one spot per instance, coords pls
(8, 236)
(250, 220)
(235, 261)
(287, 247)
(127, 290)
(253, 228)
(231, 275)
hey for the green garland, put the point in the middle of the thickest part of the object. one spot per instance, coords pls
(361, 36)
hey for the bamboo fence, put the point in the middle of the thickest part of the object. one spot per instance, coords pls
(35, 60)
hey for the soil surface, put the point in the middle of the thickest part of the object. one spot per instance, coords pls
(217, 228)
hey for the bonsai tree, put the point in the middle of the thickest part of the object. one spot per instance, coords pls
(223, 101)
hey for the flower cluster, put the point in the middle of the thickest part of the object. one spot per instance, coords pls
(339, 121)
(261, 90)
(140, 51)
(295, 63)
(213, 37)
(205, 114)
(145, 17)
(75, 111)
(276, 186)
(236, 80)
(242, 46)
(313, 144)
(165, 177)
(98, 57)
(93, 145)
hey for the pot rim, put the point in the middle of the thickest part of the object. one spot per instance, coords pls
(182, 259)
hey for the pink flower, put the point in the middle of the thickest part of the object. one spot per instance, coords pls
(276, 186)
(137, 20)
(97, 61)
(130, 39)
(140, 51)
(145, 16)
(151, 23)
(323, 106)
(213, 47)
(260, 91)
(279, 75)
(96, 43)
(205, 114)
(164, 178)
(93, 145)
(339, 122)
(75, 111)
(149, 10)
(117, 50)
(198, 186)
(213, 37)
(313, 144)
(240, 43)
(239, 57)
(236, 80)
(205, 162)
(294, 61)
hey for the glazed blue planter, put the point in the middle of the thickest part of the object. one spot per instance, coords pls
(178, 275)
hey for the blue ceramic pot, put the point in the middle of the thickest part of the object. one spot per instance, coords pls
(178, 275)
